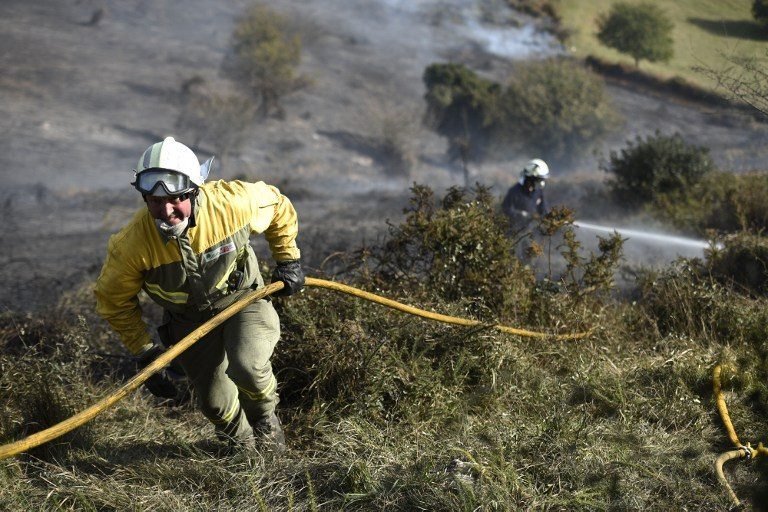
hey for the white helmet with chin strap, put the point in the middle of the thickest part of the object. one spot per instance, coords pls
(536, 169)
(169, 168)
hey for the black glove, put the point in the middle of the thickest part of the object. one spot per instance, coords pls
(161, 384)
(290, 273)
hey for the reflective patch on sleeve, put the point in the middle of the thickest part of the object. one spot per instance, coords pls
(174, 297)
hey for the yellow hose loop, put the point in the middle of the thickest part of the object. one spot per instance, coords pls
(721, 407)
(331, 285)
(722, 459)
(88, 414)
(742, 450)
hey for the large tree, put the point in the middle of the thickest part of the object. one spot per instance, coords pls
(643, 31)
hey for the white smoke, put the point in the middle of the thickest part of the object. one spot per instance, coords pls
(464, 21)
(521, 42)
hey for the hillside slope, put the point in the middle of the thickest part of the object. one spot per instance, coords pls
(82, 100)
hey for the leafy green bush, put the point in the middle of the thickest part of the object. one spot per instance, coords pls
(642, 30)
(721, 201)
(555, 108)
(457, 251)
(266, 56)
(651, 168)
(452, 256)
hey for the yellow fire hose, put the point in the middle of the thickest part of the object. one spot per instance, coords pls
(163, 360)
(741, 451)
(435, 316)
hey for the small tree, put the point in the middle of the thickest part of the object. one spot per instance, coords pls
(760, 11)
(266, 57)
(643, 31)
(554, 107)
(655, 166)
(460, 106)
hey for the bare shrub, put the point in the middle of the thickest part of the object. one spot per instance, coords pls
(742, 79)
(385, 131)
(397, 130)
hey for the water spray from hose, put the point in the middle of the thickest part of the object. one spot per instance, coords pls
(650, 237)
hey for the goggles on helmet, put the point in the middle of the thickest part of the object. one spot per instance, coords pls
(162, 182)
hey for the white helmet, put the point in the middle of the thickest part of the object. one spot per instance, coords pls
(536, 168)
(169, 168)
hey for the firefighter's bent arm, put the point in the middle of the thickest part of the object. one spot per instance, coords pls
(117, 290)
(274, 215)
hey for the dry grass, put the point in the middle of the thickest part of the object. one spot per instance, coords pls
(388, 412)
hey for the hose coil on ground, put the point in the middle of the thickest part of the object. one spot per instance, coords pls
(742, 450)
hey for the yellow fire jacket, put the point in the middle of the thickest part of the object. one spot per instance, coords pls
(187, 275)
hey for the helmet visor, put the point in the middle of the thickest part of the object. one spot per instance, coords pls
(161, 182)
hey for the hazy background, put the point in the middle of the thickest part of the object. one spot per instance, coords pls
(81, 101)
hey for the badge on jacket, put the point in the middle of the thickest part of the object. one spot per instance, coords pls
(216, 252)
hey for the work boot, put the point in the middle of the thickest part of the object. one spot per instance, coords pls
(237, 435)
(269, 430)
(245, 444)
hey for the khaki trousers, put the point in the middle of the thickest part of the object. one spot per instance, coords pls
(230, 369)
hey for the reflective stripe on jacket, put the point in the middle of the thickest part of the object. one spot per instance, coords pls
(187, 275)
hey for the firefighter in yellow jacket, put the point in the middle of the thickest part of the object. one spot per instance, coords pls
(189, 251)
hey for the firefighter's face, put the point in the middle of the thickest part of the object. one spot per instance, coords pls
(171, 210)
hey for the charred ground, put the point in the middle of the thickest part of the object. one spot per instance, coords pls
(87, 85)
